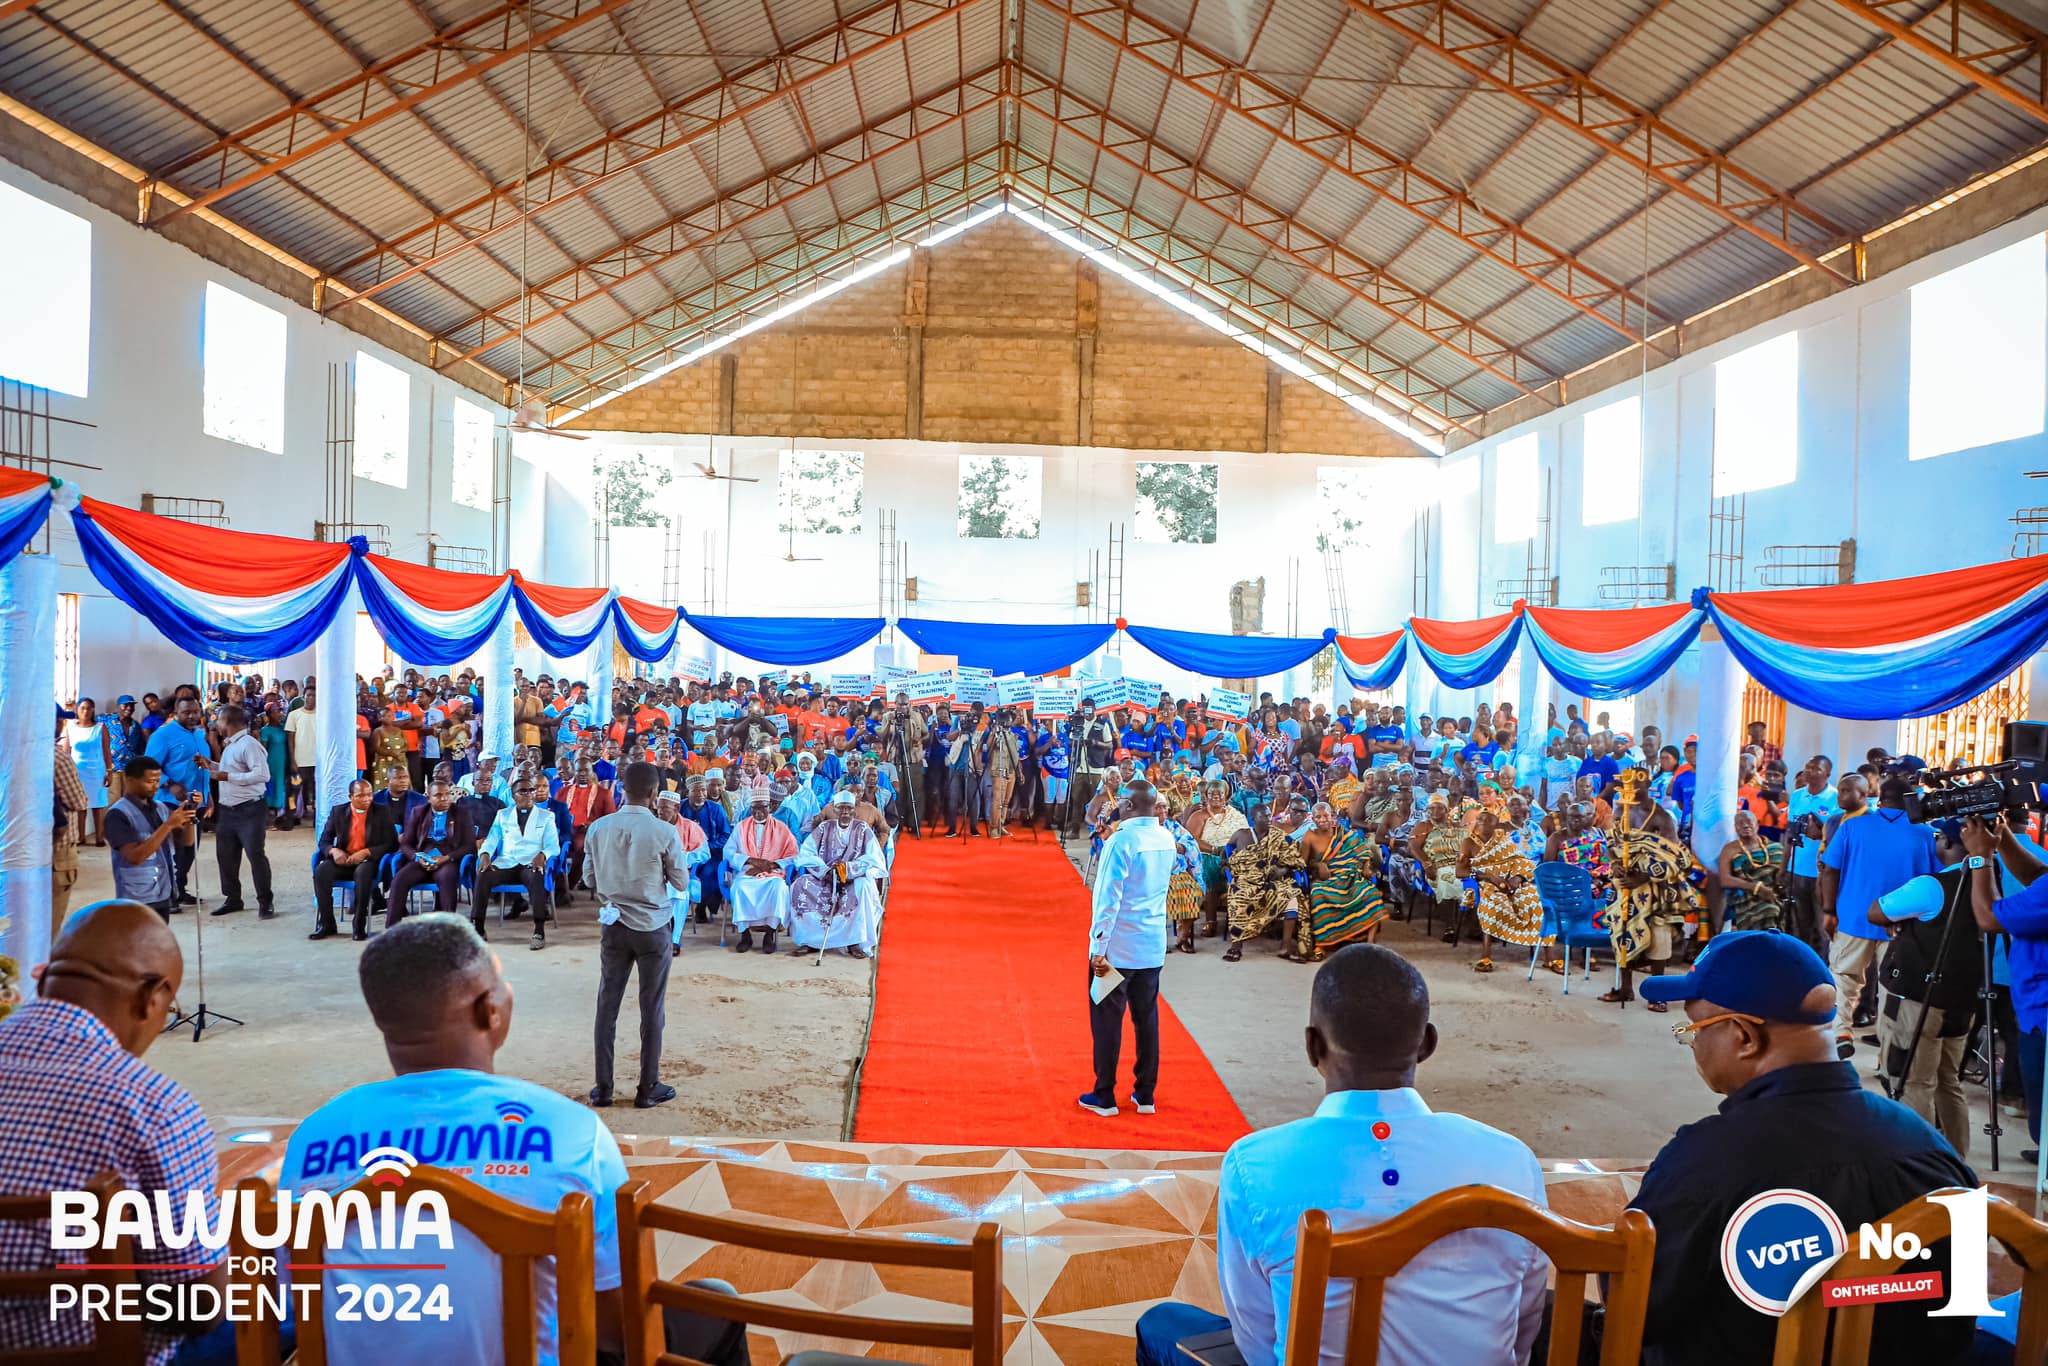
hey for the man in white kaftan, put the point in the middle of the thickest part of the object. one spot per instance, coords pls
(757, 860)
(696, 850)
(836, 901)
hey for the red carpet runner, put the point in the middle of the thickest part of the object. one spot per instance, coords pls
(981, 1014)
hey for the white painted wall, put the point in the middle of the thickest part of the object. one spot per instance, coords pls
(1854, 479)
(1266, 515)
(144, 403)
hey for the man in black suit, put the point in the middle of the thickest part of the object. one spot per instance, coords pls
(353, 843)
(436, 838)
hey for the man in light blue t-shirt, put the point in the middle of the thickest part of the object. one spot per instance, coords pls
(438, 995)
(1876, 853)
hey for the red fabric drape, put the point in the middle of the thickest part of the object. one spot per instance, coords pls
(1605, 632)
(211, 559)
(1861, 615)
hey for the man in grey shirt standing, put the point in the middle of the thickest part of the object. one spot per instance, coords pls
(239, 815)
(631, 858)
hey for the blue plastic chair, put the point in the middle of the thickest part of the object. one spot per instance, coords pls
(344, 891)
(465, 879)
(388, 869)
(1567, 893)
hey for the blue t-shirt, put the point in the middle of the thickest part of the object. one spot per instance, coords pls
(1878, 852)
(1799, 804)
(1482, 755)
(1053, 763)
(1602, 769)
(515, 1139)
(1138, 742)
(175, 748)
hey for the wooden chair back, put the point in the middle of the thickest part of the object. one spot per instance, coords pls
(256, 1337)
(1368, 1257)
(646, 1294)
(113, 1344)
(521, 1237)
(1803, 1338)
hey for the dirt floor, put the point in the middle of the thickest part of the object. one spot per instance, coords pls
(1571, 1077)
(754, 1045)
(761, 1046)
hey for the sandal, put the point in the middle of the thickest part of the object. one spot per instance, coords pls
(1615, 997)
(1557, 966)
(1656, 1007)
(1233, 953)
(1291, 956)
(1483, 965)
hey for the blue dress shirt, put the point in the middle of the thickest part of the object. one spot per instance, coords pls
(1131, 874)
(1474, 1296)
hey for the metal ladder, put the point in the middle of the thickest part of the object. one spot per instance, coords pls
(1333, 587)
(1113, 573)
(672, 563)
(888, 572)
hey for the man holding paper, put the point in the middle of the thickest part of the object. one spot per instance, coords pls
(1127, 948)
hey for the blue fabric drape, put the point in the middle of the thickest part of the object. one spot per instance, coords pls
(554, 642)
(20, 519)
(1372, 680)
(1222, 656)
(200, 624)
(793, 641)
(422, 642)
(1475, 668)
(1907, 680)
(1029, 650)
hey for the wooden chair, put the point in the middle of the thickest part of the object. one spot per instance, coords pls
(1803, 1331)
(257, 1340)
(113, 1344)
(646, 1294)
(521, 1237)
(1367, 1257)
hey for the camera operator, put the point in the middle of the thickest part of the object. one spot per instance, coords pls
(2023, 915)
(1867, 857)
(1930, 979)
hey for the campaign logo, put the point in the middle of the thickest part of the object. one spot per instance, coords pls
(514, 1111)
(386, 1166)
(1777, 1245)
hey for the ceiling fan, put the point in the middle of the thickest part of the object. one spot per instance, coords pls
(792, 557)
(530, 416)
(708, 467)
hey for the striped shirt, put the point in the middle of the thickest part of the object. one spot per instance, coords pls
(73, 1104)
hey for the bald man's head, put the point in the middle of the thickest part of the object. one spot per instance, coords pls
(120, 961)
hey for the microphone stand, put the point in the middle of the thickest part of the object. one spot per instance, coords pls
(202, 1017)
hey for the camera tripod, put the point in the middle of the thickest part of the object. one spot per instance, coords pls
(204, 1016)
(1895, 1086)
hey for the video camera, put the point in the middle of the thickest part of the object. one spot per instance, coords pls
(1984, 790)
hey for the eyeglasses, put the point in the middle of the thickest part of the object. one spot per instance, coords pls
(1686, 1032)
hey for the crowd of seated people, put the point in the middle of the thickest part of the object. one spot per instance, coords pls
(77, 1101)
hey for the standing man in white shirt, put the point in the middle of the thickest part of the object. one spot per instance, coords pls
(1371, 1151)
(239, 815)
(522, 842)
(1128, 935)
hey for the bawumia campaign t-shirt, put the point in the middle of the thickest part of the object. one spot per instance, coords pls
(516, 1140)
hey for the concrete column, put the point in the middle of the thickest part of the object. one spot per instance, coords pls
(28, 682)
(1722, 682)
(1529, 734)
(598, 670)
(334, 712)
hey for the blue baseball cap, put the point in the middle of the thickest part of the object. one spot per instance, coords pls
(1756, 972)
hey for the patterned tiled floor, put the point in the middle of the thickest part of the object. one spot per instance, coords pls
(1091, 1239)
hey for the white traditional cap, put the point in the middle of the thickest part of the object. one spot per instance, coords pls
(669, 797)
(763, 792)
(842, 799)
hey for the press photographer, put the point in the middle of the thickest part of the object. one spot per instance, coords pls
(2023, 915)
(1931, 977)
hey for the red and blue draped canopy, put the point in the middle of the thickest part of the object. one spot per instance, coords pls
(1371, 663)
(24, 507)
(1907, 647)
(224, 595)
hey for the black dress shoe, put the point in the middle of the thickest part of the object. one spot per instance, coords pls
(187, 899)
(323, 933)
(266, 912)
(647, 1100)
(227, 908)
(599, 1096)
(360, 935)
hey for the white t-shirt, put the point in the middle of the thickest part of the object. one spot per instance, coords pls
(430, 739)
(513, 1138)
(300, 725)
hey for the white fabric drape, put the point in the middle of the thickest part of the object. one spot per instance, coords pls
(28, 682)
(498, 697)
(334, 710)
(1722, 682)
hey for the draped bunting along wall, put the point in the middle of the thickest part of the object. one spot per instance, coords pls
(1903, 648)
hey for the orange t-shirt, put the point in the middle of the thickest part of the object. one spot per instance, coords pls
(403, 713)
(644, 719)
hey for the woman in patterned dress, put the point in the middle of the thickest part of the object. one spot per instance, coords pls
(1750, 866)
(1344, 903)
(1659, 887)
(1504, 886)
(1184, 888)
(1263, 887)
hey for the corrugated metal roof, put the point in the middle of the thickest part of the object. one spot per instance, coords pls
(1803, 98)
